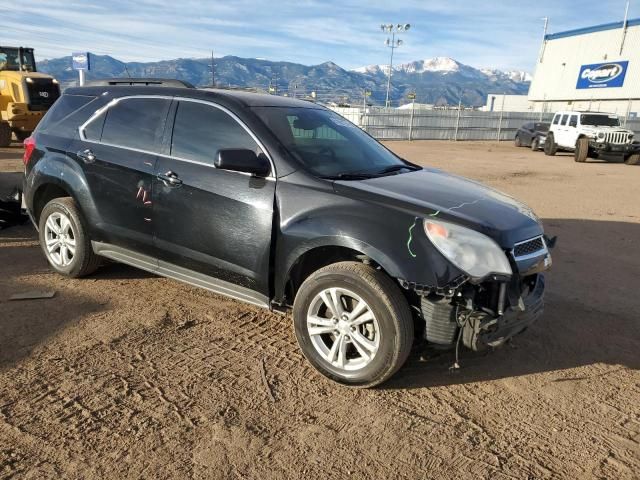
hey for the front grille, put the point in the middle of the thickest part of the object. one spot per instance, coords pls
(528, 247)
(617, 138)
(41, 93)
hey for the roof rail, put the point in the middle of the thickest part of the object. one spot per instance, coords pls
(151, 82)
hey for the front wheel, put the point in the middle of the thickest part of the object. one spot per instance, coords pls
(550, 147)
(64, 239)
(5, 134)
(535, 144)
(353, 324)
(582, 150)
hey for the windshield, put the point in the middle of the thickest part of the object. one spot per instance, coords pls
(10, 59)
(329, 145)
(599, 120)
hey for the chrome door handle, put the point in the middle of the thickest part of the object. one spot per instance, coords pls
(87, 156)
(170, 179)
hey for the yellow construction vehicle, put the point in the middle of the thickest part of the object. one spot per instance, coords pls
(25, 94)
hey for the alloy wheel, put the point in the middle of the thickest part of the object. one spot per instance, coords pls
(60, 239)
(343, 329)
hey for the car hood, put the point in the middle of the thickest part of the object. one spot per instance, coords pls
(431, 192)
(604, 129)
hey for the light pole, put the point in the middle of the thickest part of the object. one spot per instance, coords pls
(392, 43)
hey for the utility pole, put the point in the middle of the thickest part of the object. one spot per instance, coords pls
(544, 37)
(624, 26)
(213, 72)
(393, 44)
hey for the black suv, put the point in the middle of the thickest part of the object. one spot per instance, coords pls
(284, 204)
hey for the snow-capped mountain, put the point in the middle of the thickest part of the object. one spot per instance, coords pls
(439, 80)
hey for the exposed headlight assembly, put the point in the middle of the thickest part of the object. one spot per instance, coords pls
(474, 253)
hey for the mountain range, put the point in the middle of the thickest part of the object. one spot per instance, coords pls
(439, 80)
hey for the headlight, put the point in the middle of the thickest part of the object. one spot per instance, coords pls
(470, 251)
(600, 135)
(55, 81)
(29, 80)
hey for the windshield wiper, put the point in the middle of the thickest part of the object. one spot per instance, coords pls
(396, 168)
(350, 176)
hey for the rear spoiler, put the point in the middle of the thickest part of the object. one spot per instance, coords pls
(150, 82)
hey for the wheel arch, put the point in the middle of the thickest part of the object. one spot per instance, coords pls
(325, 251)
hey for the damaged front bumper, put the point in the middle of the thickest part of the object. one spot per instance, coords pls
(485, 314)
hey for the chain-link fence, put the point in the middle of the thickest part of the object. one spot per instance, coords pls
(420, 124)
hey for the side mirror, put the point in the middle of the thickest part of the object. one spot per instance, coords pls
(243, 160)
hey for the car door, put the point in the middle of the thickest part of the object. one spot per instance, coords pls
(561, 131)
(572, 130)
(118, 151)
(526, 133)
(214, 222)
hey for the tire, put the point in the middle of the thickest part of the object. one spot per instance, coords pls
(581, 152)
(633, 159)
(517, 141)
(5, 134)
(21, 136)
(550, 147)
(386, 337)
(535, 144)
(62, 229)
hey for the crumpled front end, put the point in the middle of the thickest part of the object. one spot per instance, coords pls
(487, 314)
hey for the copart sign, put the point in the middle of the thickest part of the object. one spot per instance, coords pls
(602, 75)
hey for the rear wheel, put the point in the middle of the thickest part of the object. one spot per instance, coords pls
(517, 141)
(5, 134)
(582, 150)
(633, 159)
(64, 239)
(550, 147)
(353, 324)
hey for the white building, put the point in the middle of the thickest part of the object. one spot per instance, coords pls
(497, 102)
(593, 68)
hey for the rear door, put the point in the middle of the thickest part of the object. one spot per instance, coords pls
(561, 132)
(118, 151)
(214, 222)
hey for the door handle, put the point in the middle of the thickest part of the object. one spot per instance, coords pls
(170, 179)
(87, 156)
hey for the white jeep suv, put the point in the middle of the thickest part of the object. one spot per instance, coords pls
(591, 135)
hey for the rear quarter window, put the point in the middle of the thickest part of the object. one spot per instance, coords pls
(65, 106)
(556, 120)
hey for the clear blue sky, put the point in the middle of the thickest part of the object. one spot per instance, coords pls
(503, 34)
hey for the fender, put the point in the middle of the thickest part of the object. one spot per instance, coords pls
(392, 238)
(63, 172)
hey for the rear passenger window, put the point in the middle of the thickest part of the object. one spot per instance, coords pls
(200, 130)
(556, 120)
(136, 123)
(573, 121)
(564, 119)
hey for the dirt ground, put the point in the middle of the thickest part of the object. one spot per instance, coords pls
(128, 375)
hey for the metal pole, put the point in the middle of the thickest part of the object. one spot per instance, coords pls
(544, 37)
(393, 46)
(364, 109)
(455, 135)
(624, 26)
(81, 77)
(413, 106)
(501, 113)
(626, 118)
(213, 72)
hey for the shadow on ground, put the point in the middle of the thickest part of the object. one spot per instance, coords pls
(591, 308)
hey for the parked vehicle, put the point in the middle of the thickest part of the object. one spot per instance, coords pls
(592, 135)
(25, 94)
(532, 134)
(284, 204)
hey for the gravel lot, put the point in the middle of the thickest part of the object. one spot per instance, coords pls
(128, 375)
